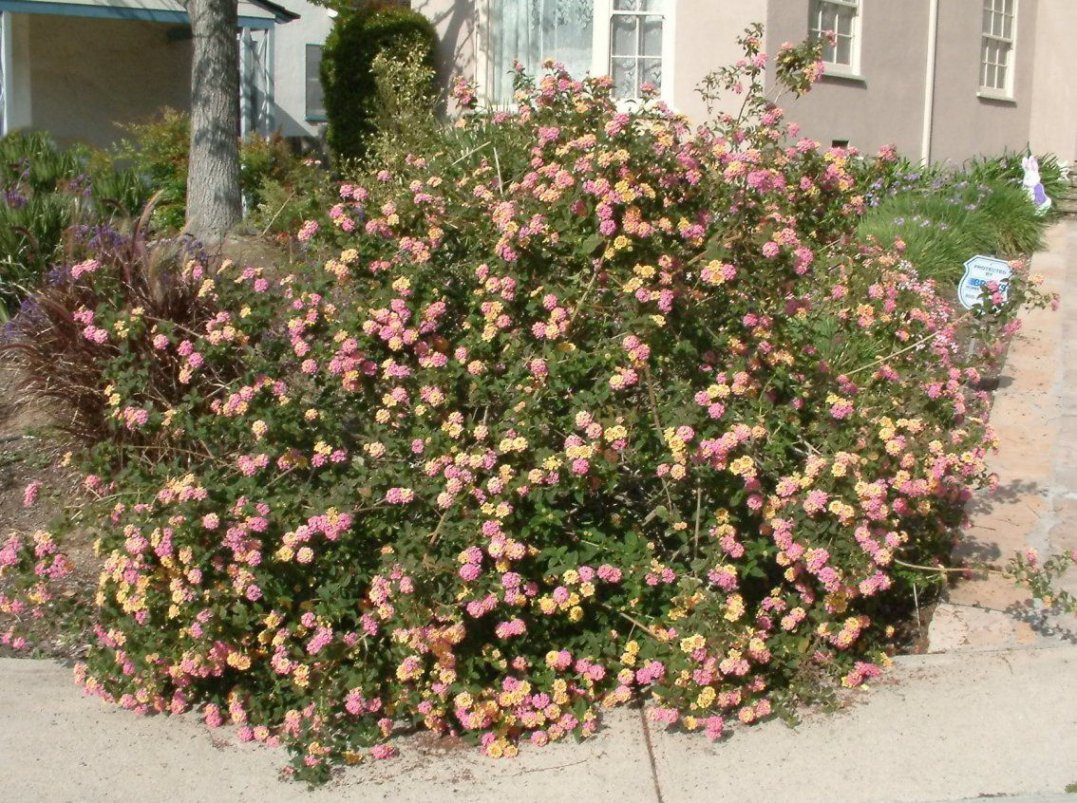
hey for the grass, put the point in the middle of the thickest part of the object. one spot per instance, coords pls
(945, 219)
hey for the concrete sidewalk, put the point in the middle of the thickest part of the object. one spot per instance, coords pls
(992, 712)
(938, 727)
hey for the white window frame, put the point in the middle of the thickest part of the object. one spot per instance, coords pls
(852, 69)
(1009, 44)
(312, 116)
(601, 56)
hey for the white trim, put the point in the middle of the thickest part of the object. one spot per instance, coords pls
(602, 41)
(669, 50)
(269, 97)
(246, 101)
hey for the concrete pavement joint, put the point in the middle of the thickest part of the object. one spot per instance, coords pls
(650, 754)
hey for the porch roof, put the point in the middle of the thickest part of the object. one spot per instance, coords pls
(252, 13)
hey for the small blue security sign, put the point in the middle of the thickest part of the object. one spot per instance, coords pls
(979, 271)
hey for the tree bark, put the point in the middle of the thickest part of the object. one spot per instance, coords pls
(214, 203)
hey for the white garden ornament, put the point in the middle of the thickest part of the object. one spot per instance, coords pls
(1034, 186)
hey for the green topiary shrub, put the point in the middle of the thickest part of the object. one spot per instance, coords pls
(351, 92)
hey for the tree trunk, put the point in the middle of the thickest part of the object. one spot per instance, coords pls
(213, 199)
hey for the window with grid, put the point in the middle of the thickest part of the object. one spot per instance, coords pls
(635, 46)
(996, 49)
(622, 38)
(843, 18)
(315, 94)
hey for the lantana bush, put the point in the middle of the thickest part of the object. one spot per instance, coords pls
(589, 408)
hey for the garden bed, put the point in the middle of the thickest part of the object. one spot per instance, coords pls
(583, 409)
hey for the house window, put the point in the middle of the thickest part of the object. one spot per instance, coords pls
(315, 94)
(997, 44)
(843, 18)
(635, 46)
(622, 38)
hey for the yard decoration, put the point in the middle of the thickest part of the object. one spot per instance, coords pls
(1033, 185)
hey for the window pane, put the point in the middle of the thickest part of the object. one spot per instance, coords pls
(829, 18)
(990, 80)
(844, 54)
(626, 5)
(652, 36)
(315, 96)
(532, 31)
(624, 78)
(844, 22)
(1000, 77)
(652, 72)
(1008, 27)
(624, 35)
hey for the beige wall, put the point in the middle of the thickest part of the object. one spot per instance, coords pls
(290, 42)
(1054, 90)
(885, 106)
(456, 22)
(89, 74)
(706, 39)
(705, 34)
(966, 125)
(18, 106)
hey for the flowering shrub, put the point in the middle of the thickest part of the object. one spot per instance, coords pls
(32, 566)
(603, 409)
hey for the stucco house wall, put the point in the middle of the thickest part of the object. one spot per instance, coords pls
(705, 39)
(79, 68)
(965, 123)
(1053, 128)
(884, 103)
(114, 77)
(704, 36)
(290, 42)
(457, 26)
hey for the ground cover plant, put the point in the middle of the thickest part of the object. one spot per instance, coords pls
(946, 215)
(587, 408)
(45, 191)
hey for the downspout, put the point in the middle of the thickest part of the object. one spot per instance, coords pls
(929, 80)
